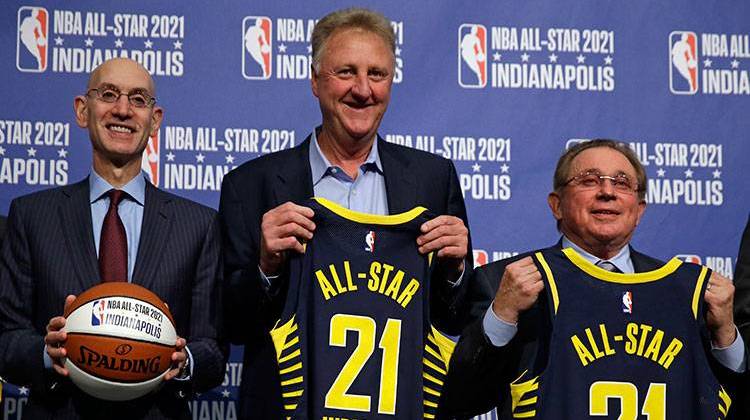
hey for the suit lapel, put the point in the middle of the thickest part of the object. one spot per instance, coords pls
(155, 228)
(293, 181)
(400, 185)
(75, 218)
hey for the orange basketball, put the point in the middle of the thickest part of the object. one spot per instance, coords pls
(120, 341)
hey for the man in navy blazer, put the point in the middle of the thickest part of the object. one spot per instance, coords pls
(50, 255)
(345, 161)
(598, 200)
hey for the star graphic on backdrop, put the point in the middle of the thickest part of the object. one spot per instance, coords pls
(58, 41)
(504, 168)
(660, 173)
(717, 174)
(282, 48)
(688, 173)
(2, 151)
(118, 43)
(230, 159)
(225, 393)
(23, 390)
(398, 51)
(581, 59)
(31, 151)
(89, 42)
(148, 43)
(200, 157)
(524, 57)
(62, 153)
(476, 167)
(309, 49)
(707, 62)
(170, 157)
(177, 45)
(553, 58)
(735, 63)
(497, 56)
(608, 60)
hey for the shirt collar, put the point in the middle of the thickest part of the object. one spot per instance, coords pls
(319, 164)
(98, 186)
(621, 260)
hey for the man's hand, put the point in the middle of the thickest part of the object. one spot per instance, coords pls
(55, 339)
(283, 229)
(519, 289)
(450, 238)
(179, 358)
(719, 317)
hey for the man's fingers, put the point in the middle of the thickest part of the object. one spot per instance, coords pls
(68, 301)
(56, 324)
(60, 370)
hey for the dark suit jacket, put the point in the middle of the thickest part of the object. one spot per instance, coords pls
(742, 315)
(49, 253)
(479, 372)
(412, 178)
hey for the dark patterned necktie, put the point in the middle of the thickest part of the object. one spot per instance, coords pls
(606, 265)
(113, 244)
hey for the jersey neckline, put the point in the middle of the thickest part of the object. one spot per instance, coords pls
(373, 219)
(634, 278)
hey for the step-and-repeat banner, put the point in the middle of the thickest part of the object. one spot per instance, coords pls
(499, 87)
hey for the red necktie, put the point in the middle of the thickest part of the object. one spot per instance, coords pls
(113, 244)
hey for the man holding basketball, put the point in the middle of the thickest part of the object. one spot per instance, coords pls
(112, 226)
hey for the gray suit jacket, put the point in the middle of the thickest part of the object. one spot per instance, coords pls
(49, 253)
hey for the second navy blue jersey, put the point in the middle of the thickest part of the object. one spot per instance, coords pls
(354, 340)
(624, 346)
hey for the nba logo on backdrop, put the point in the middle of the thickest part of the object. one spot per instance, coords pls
(256, 47)
(689, 258)
(683, 63)
(472, 56)
(97, 312)
(480, 257)
(31, 44)
(150, 159)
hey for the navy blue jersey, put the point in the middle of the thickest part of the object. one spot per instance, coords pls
(624, 346)
(354, 340)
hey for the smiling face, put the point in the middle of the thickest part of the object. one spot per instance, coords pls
(353, 84)
(600, 218)
(118, 131)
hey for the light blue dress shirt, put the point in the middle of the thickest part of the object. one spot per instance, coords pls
(500, 332)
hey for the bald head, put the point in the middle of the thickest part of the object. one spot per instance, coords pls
(117, 65)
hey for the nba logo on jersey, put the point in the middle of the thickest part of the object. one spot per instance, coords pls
(370, 241)
(472, 56)
(256, 47)
(150, 160)
(97, 312)
(480, 257)
(627, 302)
(683, 63)
(31, 45)
(689, 258)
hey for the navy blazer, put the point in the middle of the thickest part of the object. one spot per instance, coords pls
(412, 178)
(49, 253)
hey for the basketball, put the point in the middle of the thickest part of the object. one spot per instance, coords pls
(120, 339)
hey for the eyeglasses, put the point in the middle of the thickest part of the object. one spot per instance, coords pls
(111, 94)
(590, 180)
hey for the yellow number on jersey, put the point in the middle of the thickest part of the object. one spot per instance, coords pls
(654, 407)
(337, 396)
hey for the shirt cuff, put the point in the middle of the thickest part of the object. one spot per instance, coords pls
(47, 359)
(457, 282)
(498, 331)
(268, 282)
(189, 374)
(733, 356)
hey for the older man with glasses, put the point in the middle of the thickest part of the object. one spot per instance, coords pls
(590, 321)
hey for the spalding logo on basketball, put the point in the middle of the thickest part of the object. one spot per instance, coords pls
(120, 341)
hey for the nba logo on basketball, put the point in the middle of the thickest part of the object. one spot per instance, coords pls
(97, 312)
(472, 56)
(370, 241)
(31, 45)
(256, 47)
(150, 160)
(683, 63)
(627, 302)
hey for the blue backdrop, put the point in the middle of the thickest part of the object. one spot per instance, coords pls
(500, 87)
